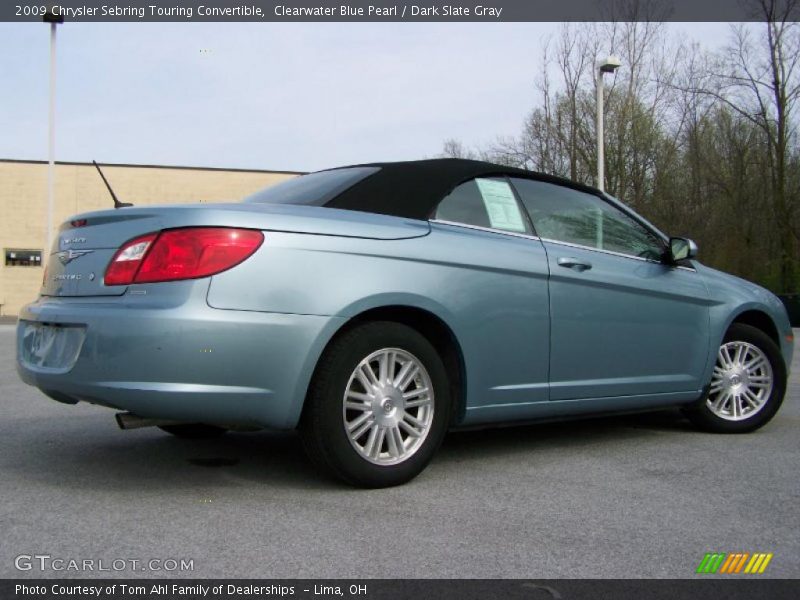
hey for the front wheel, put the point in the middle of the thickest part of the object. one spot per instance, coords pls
(378, 406)
(747, 384)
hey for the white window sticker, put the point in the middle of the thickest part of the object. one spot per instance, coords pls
(498, 197)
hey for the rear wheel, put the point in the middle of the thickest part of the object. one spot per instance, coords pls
(378, 406)
(193, 431)
(747, 384)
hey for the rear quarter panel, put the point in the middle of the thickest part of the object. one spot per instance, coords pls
(490, 289)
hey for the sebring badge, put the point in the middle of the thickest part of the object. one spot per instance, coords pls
(66, 256)
(74, 240)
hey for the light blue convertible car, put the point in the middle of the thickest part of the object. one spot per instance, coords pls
(373, 307)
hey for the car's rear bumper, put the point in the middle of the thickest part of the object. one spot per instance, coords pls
(187, 363)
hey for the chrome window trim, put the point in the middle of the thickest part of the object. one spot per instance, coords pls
(526, 236)
(559, 242)
(613, 253)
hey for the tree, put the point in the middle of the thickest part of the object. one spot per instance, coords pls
(759, 80)
(705, 144)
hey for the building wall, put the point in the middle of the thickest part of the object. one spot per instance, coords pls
(23, 204)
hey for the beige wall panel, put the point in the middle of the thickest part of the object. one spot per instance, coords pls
(23, 204)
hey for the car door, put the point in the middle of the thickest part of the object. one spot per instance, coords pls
(496, 287)
(623, 323)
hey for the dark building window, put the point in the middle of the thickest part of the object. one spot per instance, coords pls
(23, 258)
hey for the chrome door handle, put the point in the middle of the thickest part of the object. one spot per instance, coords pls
(574, 263)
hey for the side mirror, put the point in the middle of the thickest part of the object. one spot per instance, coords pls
(681, 249)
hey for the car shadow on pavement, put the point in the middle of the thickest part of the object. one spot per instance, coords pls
(86, 452)
(525, 438)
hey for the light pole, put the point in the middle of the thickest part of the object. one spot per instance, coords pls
(54, 19)
(609, 65)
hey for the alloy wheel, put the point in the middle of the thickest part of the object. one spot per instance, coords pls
(742, 381)
(388, 406)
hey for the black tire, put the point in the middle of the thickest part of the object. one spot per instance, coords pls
(323, 428)
(193, 431)
(701, 415)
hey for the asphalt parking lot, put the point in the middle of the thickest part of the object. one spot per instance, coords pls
(634, 496)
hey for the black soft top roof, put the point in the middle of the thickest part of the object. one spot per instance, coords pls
(413, 189)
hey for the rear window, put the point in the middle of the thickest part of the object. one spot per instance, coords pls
(314, 189)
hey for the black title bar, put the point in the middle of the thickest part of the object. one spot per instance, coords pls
(384, 589)
(387, 11)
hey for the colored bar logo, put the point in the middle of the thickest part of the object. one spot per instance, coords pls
(734, 563)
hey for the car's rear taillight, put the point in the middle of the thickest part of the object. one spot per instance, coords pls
(176, 254)
(127, 260)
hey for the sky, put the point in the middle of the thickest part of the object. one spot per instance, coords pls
(276, 96)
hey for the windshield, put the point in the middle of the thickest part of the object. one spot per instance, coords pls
(314, 189)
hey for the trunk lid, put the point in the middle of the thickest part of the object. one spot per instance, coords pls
(80, 254)
(86, 243)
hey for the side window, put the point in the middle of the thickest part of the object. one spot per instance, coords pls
(484, 202)
(566, 215)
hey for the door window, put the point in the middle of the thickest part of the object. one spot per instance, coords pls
(566, 215)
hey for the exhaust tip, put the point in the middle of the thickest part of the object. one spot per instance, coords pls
(127, 420)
